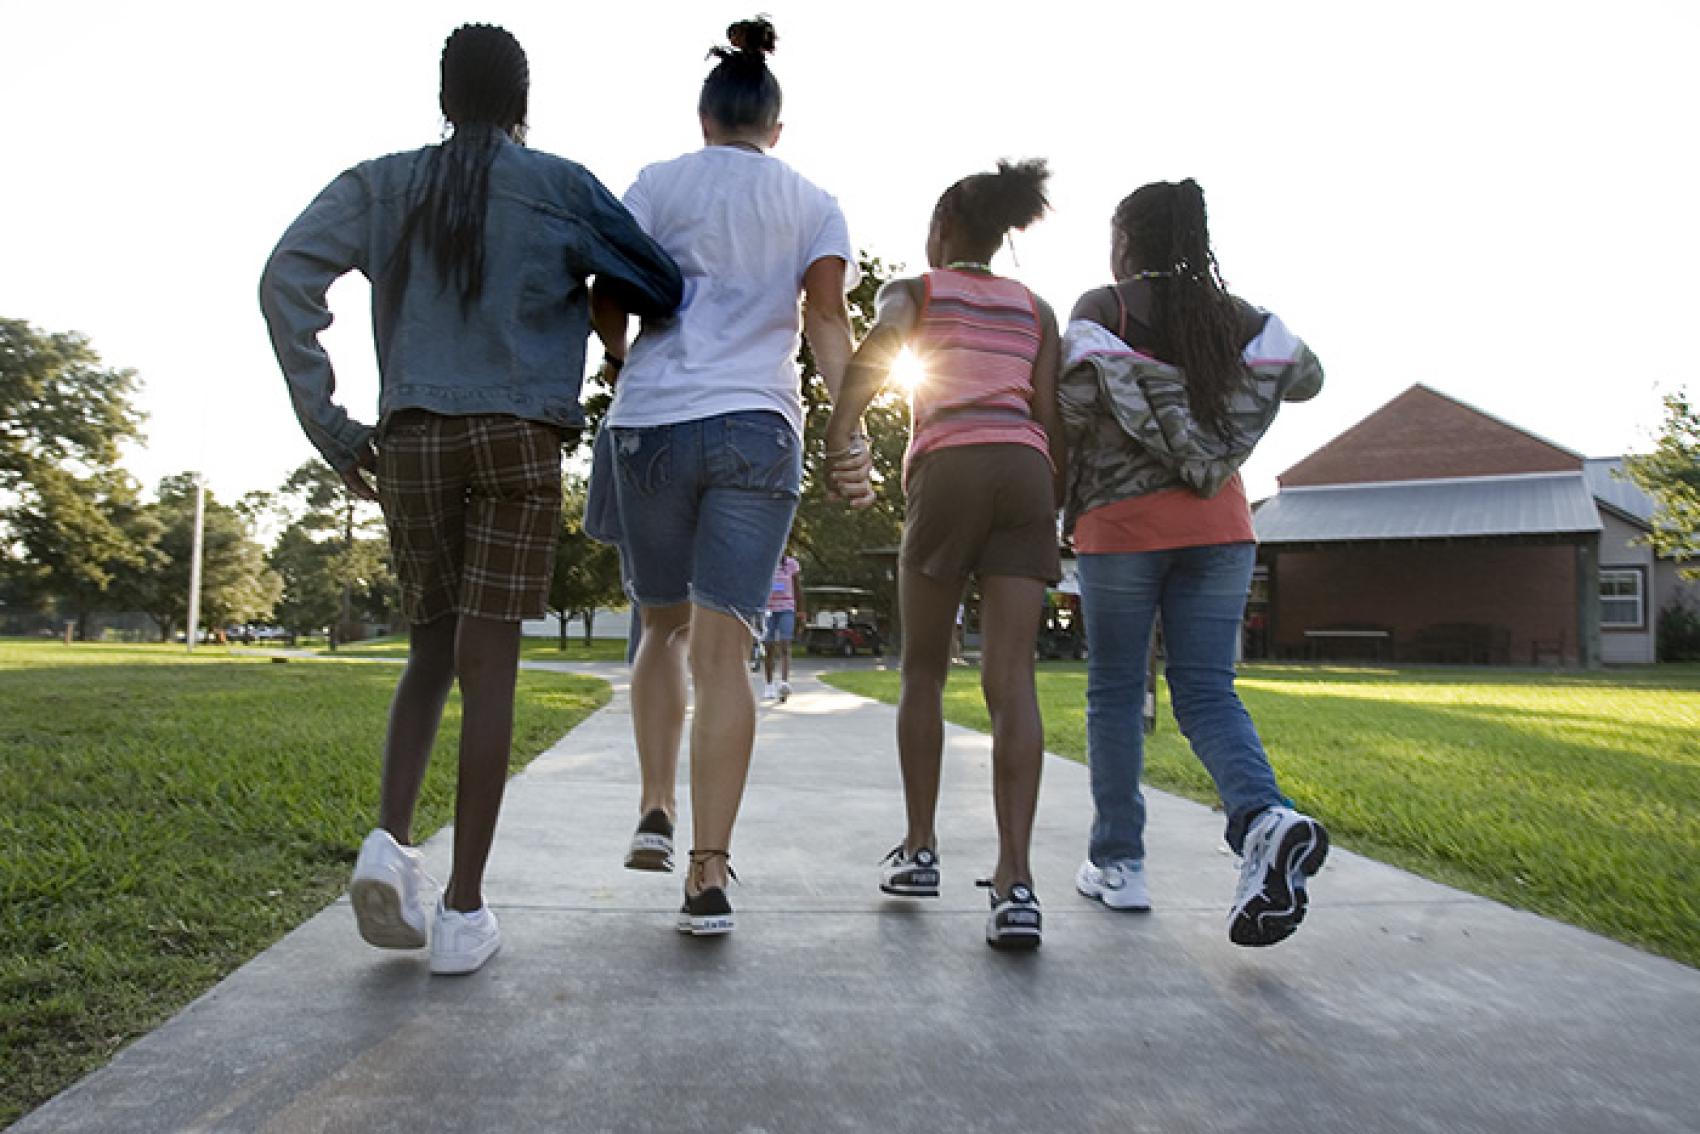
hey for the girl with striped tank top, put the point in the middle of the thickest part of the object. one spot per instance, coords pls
(980, 487)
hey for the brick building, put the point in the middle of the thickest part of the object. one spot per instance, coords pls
(1431, 531)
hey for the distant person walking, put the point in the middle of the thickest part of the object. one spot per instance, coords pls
(477, 250)
(707, 442)
(1169, 384)
(980, 490)
(784, 610)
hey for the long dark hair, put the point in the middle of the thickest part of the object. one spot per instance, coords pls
(1165, 232)
(741, 93)
(984, 206)
(485, 83)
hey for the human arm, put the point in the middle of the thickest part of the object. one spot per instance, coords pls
(1046, 368)
(634, 274)
(896, 309)
(323, 244)
(610, 322)
(826, 320)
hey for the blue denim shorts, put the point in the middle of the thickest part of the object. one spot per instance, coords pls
(705, 509)
(781, 625)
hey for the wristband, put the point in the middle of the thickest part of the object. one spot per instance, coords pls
(614, 364)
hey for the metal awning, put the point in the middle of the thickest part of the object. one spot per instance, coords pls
(1531, 505)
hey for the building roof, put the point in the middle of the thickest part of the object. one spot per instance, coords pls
(1606, 482)
(1424, 434)
(1531, 504)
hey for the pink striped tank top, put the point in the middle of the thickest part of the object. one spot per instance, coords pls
(977, 339)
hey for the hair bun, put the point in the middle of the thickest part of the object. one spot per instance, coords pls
(754, 36)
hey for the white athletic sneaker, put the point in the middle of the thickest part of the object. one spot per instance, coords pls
(768, 692)
(463, 941)
(1119, 885)
(784, 692)
(1282, 849)
(389, 891)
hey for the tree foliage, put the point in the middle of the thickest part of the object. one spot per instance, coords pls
(587, 573)
(332, 555)
(832, 541)
(236, 585)
(829, 539)
(1670, 474)
(74, 529)
(60, 407)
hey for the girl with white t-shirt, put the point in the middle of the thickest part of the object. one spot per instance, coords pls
(707, 429)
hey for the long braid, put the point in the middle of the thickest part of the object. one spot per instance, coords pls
(486, 80)
(1196, 321)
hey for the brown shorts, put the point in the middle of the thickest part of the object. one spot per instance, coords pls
(981, 510)
(474, 511)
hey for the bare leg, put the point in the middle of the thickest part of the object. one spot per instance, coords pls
(487, 662)
(1011, 609)
(658, 703)
(723, 730)
(929, 607)
(784, 649)
(767, 651)
(415, 712)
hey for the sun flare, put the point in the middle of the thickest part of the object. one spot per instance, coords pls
(907, 372)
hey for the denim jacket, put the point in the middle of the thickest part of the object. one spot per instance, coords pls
(550, 224)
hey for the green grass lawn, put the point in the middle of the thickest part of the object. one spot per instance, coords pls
(1577, 796)
(532, 649)
(164, 817)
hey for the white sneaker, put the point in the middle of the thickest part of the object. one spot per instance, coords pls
(1119, 885)
(464, 941)
(784, 691)
(768, 692)
(389, 891)
(1282, 849)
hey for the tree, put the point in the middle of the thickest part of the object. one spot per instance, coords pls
(59, 406)
(333, 543)
(236, 584)
(86, 542)
(832, 540)
(1670, 474)
(587, 573)
(75, 530)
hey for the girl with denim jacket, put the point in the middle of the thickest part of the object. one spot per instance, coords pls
(478, 251)
(1169, 382)
(706, 434)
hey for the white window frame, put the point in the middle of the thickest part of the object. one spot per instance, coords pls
(1637, 573)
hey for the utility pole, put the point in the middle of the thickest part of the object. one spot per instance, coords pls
(195, 563)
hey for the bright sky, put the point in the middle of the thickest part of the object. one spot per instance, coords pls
(1497, 199)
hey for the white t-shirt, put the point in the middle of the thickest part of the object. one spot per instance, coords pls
(743, 227)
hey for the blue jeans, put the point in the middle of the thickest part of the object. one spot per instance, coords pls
(1201, 593)
(705, 508)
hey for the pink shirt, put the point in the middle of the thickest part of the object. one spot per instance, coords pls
(977, 339)
(783, 595)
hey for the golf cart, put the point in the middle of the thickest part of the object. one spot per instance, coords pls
(841, 622)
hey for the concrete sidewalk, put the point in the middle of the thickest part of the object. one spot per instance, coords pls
(1400, 1005)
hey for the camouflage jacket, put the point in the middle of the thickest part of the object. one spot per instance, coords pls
(1130, 427)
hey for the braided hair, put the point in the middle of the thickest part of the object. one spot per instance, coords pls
(1165, 232)
(741, 93)
(485, 82)
(982, 207)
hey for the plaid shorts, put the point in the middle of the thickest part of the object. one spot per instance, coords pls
(473, 506)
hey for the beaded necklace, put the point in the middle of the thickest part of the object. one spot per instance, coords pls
(969, 266)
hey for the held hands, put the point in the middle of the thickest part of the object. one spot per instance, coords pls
(849, 469)
(354, 477)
